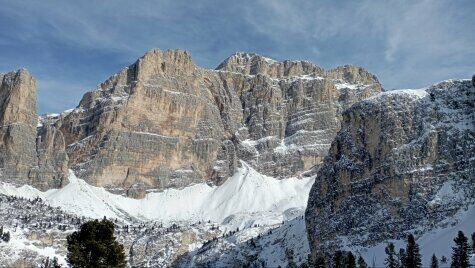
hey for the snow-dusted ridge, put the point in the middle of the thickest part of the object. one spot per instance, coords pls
(247, 192)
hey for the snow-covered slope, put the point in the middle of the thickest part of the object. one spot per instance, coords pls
(438, 241)
(245, 193)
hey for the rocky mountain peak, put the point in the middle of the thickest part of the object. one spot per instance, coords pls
(162, 122)
(28, 155)
(352, 74)
(18, 99)
(254, 64)
(170, 62)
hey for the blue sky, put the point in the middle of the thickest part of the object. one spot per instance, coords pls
(71, 46)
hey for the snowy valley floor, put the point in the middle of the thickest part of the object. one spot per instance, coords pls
(187, 227)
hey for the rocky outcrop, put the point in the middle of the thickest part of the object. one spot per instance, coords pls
(164, 122)
(403, 160)
(22, 159)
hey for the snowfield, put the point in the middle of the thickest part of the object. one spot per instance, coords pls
(239, 201)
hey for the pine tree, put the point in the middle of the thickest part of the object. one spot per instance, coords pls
(401, 257)
(413, 257)
(338, 259)
(361, 262)
(460, 251)
(390, 260)
(473, 242)
(290, 258)
(56, 263)
(434, 262)
(350, 260)
(6, 237)
(95, 245)
(320, 262)
(443, 260)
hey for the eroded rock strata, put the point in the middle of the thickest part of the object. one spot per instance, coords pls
(403, 161)
(164, 122)
(29, 154)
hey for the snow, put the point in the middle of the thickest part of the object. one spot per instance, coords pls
(438, 241)
(345, 85)
(19, 243)
(416, 93)
(447, 194)
(245, 193)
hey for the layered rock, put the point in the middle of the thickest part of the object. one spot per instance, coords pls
(164, 122)
(22, 159)
(403, 161)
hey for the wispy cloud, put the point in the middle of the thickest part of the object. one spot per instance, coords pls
(79, 43)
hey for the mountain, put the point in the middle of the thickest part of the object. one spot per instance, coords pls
(29, 154)
(403, 162)
(256, 163)
(165, 123)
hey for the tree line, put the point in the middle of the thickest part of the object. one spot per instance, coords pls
(410, 257)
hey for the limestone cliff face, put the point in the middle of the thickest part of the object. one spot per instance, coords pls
(164, 122)
(22, 159)
(391, 166)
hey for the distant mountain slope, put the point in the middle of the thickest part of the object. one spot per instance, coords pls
(403, 161)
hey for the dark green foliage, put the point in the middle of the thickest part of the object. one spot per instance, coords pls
(412, 257)
(290, 258)
(47, 263)
(338, 259)
(350, 260)
(443, 260)
(401, 257)
(94, 245)
(362, 263)
(434, 262)
(390, 260)
(320, 262)
(4, 236)
(460, 251)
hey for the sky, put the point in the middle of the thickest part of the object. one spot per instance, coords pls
(71, 46)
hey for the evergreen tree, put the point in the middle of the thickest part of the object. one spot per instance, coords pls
(434, 262)
(401, 257)
(56, 263)
(412, 257)
(473, 242)
(320, 262)
(338, 259)
(94, 245)
(47, 263)
(290, 258)
(460, 251)
(350, 260)
(443, 260)
(390, 260)
(6, 237)
(361, 262)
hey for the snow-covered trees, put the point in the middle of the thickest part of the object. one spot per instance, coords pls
(390, 260)
(434, 262)
(4, 236)
(460, 251)
(412, 257)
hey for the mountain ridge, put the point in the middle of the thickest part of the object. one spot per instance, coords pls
(266, 119)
